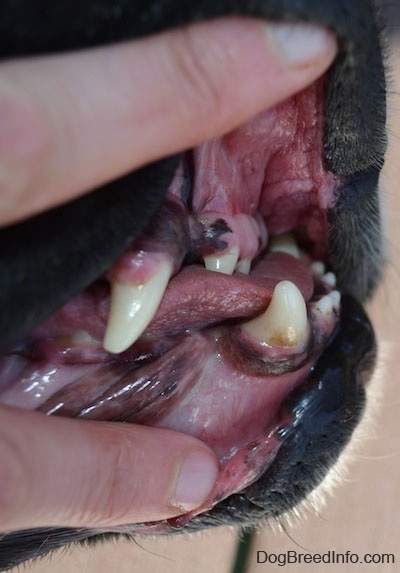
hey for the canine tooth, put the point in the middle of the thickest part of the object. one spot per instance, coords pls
(284, 243)
(325, 305)
(318, 268)
(244, 266)
(132, 308)
(285, 322)
(224, 263)
(329, 279)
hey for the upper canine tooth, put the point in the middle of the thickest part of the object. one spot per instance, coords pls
(284, 243)
(285, 322)
(223, 263)
(133, 307)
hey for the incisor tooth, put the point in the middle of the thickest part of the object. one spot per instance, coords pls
(224, 263)
(284, 243)
(244, 266)
(132, 308)
(284, 323)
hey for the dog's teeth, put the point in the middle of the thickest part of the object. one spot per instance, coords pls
(329, 279)
(285, 322)
(82, 337)
(318, 268)
(244, 266)
(132, 308)
(335, 297)
(223, 263)
(325, 305)
(284, 243)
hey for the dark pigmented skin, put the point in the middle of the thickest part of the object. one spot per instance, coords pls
(44, 263)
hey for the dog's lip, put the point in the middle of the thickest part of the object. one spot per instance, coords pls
(328, 404)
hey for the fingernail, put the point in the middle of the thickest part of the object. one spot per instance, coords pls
(196, 480)
(300, 44)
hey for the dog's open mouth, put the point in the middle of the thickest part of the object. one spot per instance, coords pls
(225, 321)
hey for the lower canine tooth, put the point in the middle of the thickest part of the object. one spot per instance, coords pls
(285, 322)
(132, 309)
(224, 263)
(284, 243)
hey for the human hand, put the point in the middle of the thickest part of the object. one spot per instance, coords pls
(70, 123)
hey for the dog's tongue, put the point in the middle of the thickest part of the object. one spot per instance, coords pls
(194, 298)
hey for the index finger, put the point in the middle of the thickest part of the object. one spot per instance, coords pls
(72, 122)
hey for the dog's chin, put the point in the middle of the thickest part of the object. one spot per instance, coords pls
(229, 298)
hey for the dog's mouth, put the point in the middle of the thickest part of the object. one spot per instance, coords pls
(223, 321)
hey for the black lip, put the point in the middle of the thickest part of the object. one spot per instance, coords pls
(325, 411)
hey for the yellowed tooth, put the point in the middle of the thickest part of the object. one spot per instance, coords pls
(284, 243)
(223, 263)
(244, 266)
(133, 307)
(285, 322)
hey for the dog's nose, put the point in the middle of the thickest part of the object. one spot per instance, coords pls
(48, 259)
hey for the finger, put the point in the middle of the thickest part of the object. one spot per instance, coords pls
(55, 472)
(71, 122)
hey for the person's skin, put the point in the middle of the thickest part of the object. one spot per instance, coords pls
(69, 123)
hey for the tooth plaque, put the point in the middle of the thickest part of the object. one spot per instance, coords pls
(285, 322)
(133, 307)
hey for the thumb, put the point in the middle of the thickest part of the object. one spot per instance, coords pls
(57, 471)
